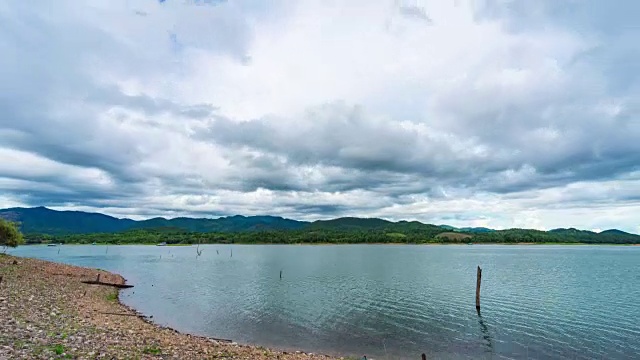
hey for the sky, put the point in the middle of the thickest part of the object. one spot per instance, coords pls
(496, 113)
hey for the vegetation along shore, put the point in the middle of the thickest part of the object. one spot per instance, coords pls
(42, 225)
(47, 312)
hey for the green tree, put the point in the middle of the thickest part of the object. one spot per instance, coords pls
(9, 234)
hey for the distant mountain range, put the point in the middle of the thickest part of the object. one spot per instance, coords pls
(467, 229)
(41, 220)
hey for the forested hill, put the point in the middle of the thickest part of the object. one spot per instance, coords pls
(45, 225)
(41, 220)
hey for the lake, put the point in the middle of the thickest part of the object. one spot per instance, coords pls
(387, 301)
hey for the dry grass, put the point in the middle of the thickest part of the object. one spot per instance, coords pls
(454, 236)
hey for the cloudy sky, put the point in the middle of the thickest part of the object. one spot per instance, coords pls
(499, 113)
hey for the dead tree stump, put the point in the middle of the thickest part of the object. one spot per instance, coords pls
(478, 281)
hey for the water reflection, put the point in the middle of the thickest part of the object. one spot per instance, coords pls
(486, 336)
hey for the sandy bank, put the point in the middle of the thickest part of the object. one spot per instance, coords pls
(46, 312)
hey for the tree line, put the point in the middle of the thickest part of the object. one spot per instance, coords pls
(335, 236)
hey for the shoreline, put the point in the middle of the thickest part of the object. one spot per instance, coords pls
(47, 312)
(342, 244)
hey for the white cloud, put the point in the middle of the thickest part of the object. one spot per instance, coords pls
(486, 114)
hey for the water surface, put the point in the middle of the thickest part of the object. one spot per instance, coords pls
(387, 301)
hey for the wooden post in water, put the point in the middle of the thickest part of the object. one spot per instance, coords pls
(478, 288)
(424, 356)
(280, 274)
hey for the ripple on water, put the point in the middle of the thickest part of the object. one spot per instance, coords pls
(390, 301)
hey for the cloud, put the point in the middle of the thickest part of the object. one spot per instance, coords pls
(495, 114)
(414, 11)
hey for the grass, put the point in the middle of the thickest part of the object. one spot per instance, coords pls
(58, 349)
(152, 350)
(112, 296)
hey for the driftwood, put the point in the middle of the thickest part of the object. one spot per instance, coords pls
(98, 282)
(478, 281)
(220, 340)
(121, 314)
(119, 286)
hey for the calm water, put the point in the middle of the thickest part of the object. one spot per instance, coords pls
(388, 302)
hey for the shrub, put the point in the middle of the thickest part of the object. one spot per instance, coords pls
(10, 236)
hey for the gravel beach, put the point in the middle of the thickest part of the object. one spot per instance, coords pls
(46, 312)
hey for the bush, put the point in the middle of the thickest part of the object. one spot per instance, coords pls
(10, 236)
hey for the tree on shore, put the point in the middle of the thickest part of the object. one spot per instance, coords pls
(10, 236)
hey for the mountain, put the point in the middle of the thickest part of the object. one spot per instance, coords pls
(570, 235)
(614, 232)
(351, 223)
(476, 229)
(41, 220)
(572, 231)
(47, 221)
(35, 222)
(449, 227)
(467, 229)
(224, 224)
(615, 235)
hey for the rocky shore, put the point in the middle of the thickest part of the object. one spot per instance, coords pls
(46, 312)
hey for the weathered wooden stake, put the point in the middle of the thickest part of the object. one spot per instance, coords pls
(231, 252)
(98, 278)
(280, 274)
(478, 288)
(424, 356)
